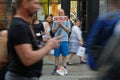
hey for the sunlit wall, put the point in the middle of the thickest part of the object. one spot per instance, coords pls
(49, 7)
(103, 7)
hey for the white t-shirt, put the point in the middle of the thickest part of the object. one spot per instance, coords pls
(46, 27)
(76, 34)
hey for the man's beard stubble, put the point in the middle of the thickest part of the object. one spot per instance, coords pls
(30, 14)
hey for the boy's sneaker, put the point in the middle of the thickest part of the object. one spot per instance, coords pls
(83, 62)
(69, 63)
(54, 72)
(62, 71)
(65, 71)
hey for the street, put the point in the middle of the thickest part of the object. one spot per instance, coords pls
(76, 71)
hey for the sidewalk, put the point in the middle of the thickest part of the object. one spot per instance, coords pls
(75, 72)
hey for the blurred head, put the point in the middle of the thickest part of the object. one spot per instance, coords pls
(78, 22)
(29, 6)
(48, 18)
(61, 12)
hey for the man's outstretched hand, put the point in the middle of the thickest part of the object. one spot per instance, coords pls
(54, 42)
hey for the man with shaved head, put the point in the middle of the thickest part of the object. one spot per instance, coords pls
(61, 28)
(25, 54)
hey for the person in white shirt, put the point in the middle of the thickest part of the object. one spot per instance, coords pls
(47, 26)
(75, 41)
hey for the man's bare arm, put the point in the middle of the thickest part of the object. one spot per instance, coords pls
(29, 57)
(66, 28)
(55, 29)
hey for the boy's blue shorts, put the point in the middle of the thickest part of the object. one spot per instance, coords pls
(62, 49)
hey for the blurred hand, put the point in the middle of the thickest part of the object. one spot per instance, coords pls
(42, 33)
(45, 37)
(81, 43)
(54, 42)
(60, 23)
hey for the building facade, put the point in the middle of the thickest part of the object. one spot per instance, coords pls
(89, 10)
(5, 12)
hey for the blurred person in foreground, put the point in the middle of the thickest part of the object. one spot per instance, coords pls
(61, 28)
(25, 54)
(110, 60)
(100, 34)
(4, 59)
(4, 56)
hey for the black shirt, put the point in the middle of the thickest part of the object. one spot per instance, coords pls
(20, 33)
(3, 29)
(37, 29)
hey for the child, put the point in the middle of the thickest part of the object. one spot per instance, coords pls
(75, 41)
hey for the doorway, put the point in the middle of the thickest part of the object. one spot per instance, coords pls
(78, 9)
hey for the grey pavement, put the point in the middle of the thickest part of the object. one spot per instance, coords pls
(75, 72)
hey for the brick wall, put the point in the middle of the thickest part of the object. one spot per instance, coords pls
(5, 12)
(110, 8)
(2, 10)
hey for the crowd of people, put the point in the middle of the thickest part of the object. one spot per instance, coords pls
(30, 40)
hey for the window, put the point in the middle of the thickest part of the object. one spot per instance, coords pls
(53, 9)
(54, 5)
(73, 11)
(78, 9)
(2, 10)
(50, 6)
(5, 12)
(103, 7)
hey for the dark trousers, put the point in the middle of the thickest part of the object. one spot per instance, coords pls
(11, 76)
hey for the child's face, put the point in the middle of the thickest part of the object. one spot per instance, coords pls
(78, 23)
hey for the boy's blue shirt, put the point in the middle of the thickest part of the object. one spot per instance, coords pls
(61, 31)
